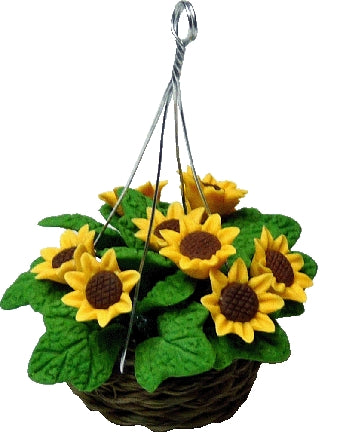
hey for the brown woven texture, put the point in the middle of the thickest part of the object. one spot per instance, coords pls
(188, 402)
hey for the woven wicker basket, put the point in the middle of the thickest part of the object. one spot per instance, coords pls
(190, 402)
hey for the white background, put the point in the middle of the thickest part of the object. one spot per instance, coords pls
(80, 82)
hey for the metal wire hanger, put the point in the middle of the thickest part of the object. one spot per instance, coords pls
(172, 91)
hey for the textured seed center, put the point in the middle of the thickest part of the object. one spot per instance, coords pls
(280, 267)
(63, 256)
(171, 224)
(103, 290)
(199, 244)
(238, 302)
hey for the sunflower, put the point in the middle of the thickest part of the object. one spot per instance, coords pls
(175, 212)
(101, 289)
(221, 196)
(197, 247)
(147, 189)
(241, 305)
(59, 261)
(273, 256)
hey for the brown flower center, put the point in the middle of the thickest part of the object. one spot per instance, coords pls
(104, 289)
(238, 302)
(199, 244)
(63, 256)
(280, 267)
(216, 187)
(170, 224)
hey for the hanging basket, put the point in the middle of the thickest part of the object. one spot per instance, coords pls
(197, 288)
(178, 403)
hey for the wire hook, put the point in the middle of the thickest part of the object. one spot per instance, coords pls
(193, 28)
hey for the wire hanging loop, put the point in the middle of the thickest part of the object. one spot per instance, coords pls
(193, 28)
(182, 43)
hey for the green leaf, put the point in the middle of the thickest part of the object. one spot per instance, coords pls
(129, 258)
(310, 266)
(156, 266)
(266, 348)
(27, 290)
(81, 354)
(76, 221)
(134, 205)
(290, 308)
(163, 206)
(250, 221)
(181, 349)
(105, 211)
(171, 291)
(16, 295)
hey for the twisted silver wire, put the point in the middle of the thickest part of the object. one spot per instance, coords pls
(172, 91)
(176, 73)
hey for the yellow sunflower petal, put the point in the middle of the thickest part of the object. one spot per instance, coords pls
(148, 189)
(269, 303)
(296, 261)
(247, 332)
(49, 253)
(104, 316)
(86, 312)
(83, 232)
(258, 259)
(68, 239)
(281, 244)
(42, 267)
(141, 223)
(222, 325)
(171, 237)
(50, 274)
(86, 237)
(229, 234)
(295, 293)
(266, 239)
(124, 305)
(189, 224)
(211, 302)
(80, 250)
(238, 272)
(76, 280)
(262, 322)
(196, 214)
(66, 267)
(212, 224)
(129, 278)
(224, 253)
(209, 179)
(218, 281)
(74, 299)
(175, 211)
(303, 280)
(109, 261)
(89, 263)
(171, 252)
(109, 197)
(197, 268)
(262, 283)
